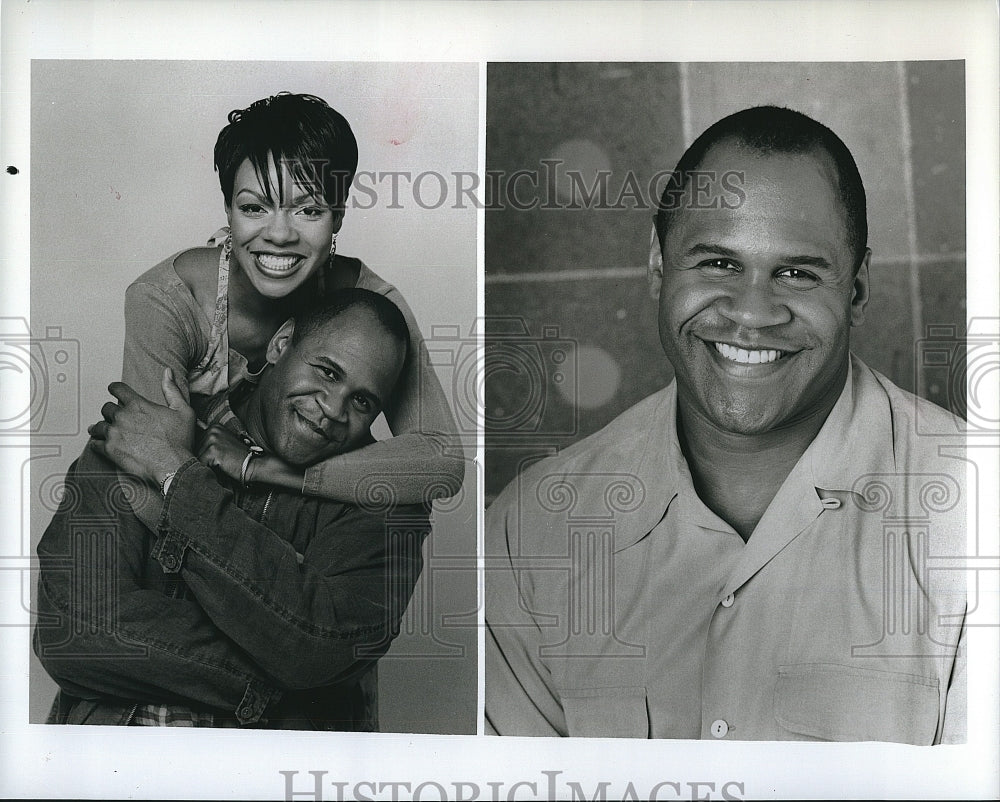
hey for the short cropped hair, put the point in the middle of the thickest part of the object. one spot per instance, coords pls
(300, 133)
(317, 315)
(773, 129)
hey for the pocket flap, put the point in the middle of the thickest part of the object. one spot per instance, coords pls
(846, 703)
(606, 712)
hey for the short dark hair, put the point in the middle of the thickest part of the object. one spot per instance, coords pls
(317, 315)
(300, 133)
(773, 129)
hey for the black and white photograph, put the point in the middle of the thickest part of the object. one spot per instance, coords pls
(232, 547)
(722, 295)
(575, 399)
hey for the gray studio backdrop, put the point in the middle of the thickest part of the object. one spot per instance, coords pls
(121, 177)
(573, 337)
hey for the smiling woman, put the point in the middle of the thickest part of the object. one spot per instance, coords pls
(142, 189)
(285, 166)
(280, 241)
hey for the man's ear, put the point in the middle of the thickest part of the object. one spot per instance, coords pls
(861, 290)
(281, 341)
(654, 271)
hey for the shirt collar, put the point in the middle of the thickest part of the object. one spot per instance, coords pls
(661, 469)
(855, 440)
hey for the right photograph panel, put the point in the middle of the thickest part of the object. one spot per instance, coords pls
(725, 363)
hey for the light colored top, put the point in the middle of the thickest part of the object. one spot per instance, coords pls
(619, 605)
(166, 327)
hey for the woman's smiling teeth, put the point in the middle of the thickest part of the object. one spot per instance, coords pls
(745, 357)
(277, 264)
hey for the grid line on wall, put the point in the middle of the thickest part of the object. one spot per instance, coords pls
(906, 142)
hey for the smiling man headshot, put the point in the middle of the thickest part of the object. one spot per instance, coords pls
(735, 556)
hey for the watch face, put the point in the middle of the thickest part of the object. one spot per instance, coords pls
(165, 484)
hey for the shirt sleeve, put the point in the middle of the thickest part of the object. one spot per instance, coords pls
(103, 630)
(307, 622)
(955, 729)
(423, 460)
(159, 333)
(520, 696)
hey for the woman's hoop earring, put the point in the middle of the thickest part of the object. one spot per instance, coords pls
(227, 245)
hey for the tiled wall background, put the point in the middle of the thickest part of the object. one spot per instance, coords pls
(568, 285)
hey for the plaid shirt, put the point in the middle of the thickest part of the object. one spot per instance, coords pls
(178, 716)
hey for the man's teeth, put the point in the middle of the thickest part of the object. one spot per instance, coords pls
(277, 263)
(747, 357)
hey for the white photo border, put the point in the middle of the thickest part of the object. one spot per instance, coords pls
(38, 761)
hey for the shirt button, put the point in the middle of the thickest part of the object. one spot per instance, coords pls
(728, 602)
(719, 728)
(169, 562)
(245, 712)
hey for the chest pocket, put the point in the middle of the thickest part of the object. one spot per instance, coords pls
(606, 712)
(845, 703)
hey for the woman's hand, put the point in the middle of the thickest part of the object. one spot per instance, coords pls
(223, 450)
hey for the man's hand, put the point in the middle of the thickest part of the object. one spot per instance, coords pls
(143, 438)
(223, 450)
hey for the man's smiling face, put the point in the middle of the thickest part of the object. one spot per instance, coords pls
(322, 393)
(756, 302)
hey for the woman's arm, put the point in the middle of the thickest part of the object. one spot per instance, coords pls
(160, 331)
(422, 462)
(408, 469)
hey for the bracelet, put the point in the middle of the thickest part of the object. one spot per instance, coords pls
(255, 451)
(165, 483)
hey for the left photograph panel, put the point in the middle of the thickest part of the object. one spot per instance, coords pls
(252, 489)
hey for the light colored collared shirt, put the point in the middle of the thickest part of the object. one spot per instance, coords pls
(619, 605)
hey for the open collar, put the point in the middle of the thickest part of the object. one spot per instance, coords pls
(855, 440)
(661, 470)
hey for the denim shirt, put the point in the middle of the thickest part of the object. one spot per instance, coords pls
(268, 607)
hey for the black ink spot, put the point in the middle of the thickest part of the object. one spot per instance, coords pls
(12, 170)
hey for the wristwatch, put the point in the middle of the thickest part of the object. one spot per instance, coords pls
(165, 484)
